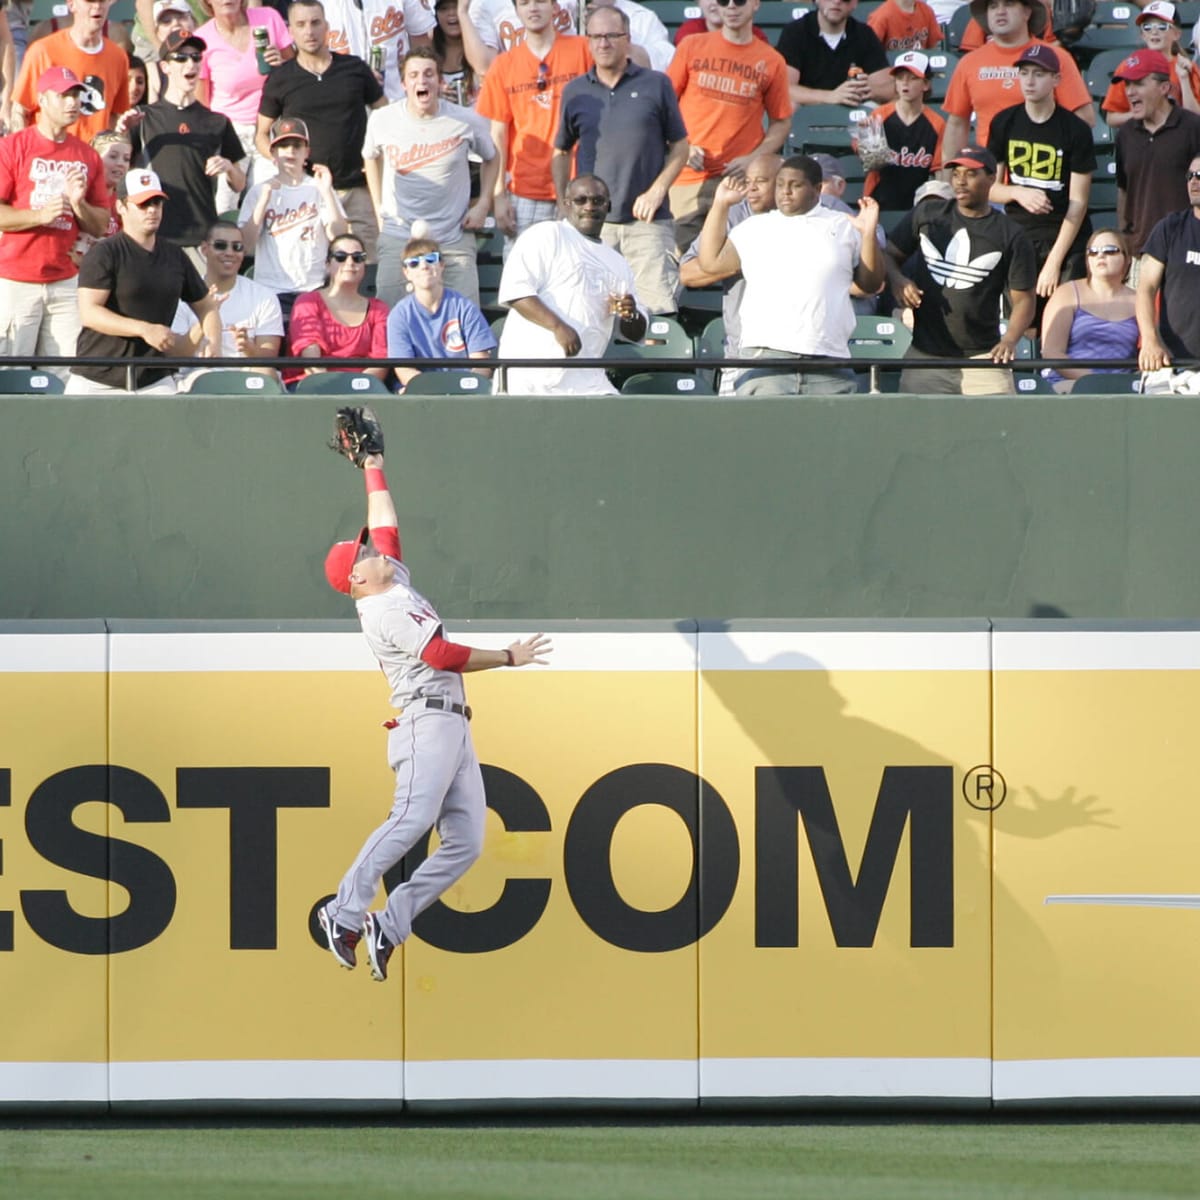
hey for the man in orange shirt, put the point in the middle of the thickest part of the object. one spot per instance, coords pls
(726, 82)
(986, 80)
(82, 48)
(522, 97)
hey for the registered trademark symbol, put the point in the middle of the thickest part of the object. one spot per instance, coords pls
(984, 788)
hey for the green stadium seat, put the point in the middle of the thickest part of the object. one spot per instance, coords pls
(773, 15)
(448, 383)
(232, 382)
(822, 129)
(1099, 72)
(957, 27)
(29, 381)
(1108, 383)
(880, 337)
(666, 383)
(352, 383)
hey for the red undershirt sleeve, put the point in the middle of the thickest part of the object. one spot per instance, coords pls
(443, 655)
(386, 539)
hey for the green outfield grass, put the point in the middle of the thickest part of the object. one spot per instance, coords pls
(843, 1160)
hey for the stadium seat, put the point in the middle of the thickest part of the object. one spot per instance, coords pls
(448, 383)
(773, 15)
(1030, 383)
(673, 13)
(1108, 383)
(711, 342)
(880, 337)
(666, 383)
(1096, 38)
(958, 26)
(942, 64)
(822, 129)
(665, 338)
(489, 244)
(232, 382)
(701, 300)
(341, 382)
(1099, 72)
(26, 381)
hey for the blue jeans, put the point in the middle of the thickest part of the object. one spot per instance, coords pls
(792, 381)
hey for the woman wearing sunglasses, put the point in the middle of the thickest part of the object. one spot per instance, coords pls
(338, 321)
(434, 321)
(1092, 317)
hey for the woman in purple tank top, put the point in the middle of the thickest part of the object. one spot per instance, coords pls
(1092, 317)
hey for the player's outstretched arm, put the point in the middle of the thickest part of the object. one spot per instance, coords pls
(381, 508)
(518, 654)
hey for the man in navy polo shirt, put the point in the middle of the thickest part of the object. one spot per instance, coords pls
(624, 123)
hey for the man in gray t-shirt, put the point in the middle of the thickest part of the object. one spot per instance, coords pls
(416, 159)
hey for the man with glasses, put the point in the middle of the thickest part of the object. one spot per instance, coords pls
(1158, 23)
(52, 190)
(251, 320)
(834, 59)
(727, 83)
(1168, 290)
(416, 157)
(522, 97)
(188, 146)
(1153, 148)
(968, 258)
(623, 123)
(127, 284)
(563, 287)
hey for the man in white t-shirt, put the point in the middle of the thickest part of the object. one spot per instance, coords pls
(415, 158)
(251, 320)
(799, 262)
(288, 221)
(563, 287)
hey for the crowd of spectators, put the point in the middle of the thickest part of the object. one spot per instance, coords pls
(314, 179)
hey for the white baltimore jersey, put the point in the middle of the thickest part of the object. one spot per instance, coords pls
(501, 29)
(398, 624)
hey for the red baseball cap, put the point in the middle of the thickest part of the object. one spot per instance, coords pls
(340, 560)
(975, 157)
(58, 79)
(1138, 66)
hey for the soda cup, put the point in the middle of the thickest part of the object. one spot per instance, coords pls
(262, 43)
(377, 59)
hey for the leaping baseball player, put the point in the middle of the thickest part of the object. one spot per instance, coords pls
(438, 779)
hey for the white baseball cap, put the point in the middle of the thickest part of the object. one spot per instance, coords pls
(1161, 10)
(140, 184)
(162, 7)
(911, 60)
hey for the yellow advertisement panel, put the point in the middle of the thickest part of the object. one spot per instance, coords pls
(853, 957)
(54, 927)
(1096, 894)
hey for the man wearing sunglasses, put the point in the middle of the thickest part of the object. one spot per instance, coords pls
(188, 146)
(1158, 23)
(564, 287)
(127, 284)
(251, 319)
(1168, 290)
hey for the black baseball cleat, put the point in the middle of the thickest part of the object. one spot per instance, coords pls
(341, 941)
(379, 949)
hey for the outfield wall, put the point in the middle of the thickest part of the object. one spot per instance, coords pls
(611, 508)
(798, 864)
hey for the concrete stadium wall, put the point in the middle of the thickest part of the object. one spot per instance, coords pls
(811, 864)
(621, 508)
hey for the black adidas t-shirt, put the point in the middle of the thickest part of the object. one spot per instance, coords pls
(964, 267)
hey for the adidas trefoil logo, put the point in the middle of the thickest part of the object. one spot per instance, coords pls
(958, 269)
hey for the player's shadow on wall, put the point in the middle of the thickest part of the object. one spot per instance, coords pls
(809, 723)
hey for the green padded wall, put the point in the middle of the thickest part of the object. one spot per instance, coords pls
(621, 507)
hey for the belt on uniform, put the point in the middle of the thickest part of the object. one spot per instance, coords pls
(461, 710)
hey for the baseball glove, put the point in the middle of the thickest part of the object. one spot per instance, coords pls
(356, 434)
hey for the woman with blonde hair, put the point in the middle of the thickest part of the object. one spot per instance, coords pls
(1093, 317)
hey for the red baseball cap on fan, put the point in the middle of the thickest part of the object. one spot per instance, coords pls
(340, 560)
(1138, 66)
(58, 79)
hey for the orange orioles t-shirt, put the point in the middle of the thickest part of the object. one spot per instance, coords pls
(525, 93)
(724, 89)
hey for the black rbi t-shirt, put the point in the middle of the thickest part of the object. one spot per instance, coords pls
(964, 267)
(146, 285)
(177, 142)
(803, 47)
(1043, 156)
(333, 105)
(1175, 242)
